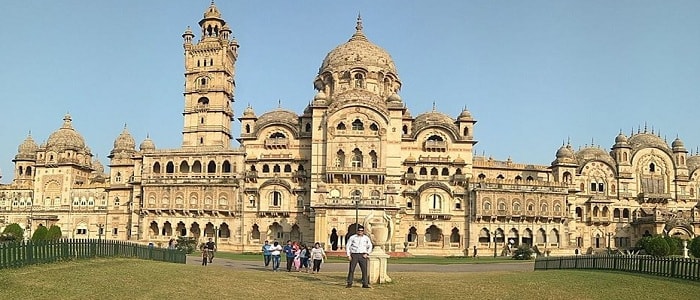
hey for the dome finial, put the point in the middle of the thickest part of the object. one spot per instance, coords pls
(279, 103)
(358, 27)
(67, 121)
(433, 105)
(645, 126)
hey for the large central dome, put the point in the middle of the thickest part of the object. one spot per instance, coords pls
(66, 138)
(358, 52)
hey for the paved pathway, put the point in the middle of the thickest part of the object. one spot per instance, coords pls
(343, 267)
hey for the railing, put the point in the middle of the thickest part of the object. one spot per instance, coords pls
(18, 254)
(676, 267)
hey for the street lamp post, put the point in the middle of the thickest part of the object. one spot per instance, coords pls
(100, 230)
(216, 235)
(494, 243)
(356, 199)
(609, 234)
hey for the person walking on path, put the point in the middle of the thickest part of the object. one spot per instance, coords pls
(358, 248)
(289, 254)
(474, 254)
(304, 258)
(205, 256)
(211, 248)
(266, 253)
(275, 252)
(317, 255)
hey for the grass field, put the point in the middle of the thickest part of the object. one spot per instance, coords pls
(438, 260)
(140, 279)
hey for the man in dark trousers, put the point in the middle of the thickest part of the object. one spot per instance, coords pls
(289, 254)
(358, 248)
(211, 247)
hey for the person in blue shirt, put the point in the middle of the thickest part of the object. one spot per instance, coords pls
(267, 254)
(289, 254)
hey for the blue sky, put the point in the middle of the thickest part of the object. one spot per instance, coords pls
(533, 73)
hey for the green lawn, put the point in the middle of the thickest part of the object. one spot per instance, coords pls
(439, 260)
(140, 279)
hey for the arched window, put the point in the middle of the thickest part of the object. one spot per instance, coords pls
(435, 201)
(410, 170)
(276, 199)
(487, 205)
(211, 167)
(29, 171)
(170, 167)
(434, 171)
(458, 203)
(278, 135)
(308, 127)
(276, 169)
(423, 171)
(118, 178)
(359, 80)
(652, 168)
(373, 159)
(482, 177)
(247, 128)
(340, 159)
(374, 127)
(445, 172)
(544, 207)
(500, 177)
(203, 101)
(266, 169)
(501, 205)
(466, 131)
(287, 168)
(226, 167)
(529, 179)
(341, 126)
(197, 167)
(435, 138)
(357, 125)
(356, 158)
(516, 206)
(404, 129)
(156, 167)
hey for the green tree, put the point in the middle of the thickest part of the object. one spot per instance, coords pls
(40, 233)
(12, 232)
(694, 247)
(657, 246)
(524, 252)
(54, 233)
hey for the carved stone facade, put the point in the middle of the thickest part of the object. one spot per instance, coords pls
(355, 152)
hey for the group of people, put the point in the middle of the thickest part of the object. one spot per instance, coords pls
(298, 256)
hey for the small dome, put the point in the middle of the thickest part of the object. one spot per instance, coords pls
(594, 153)
(320, 96)
(212, 12)
(248, 112)
(620, 138)
(188, 32)
(125, 141)
(677, 144)
(147, 145)
(66, 138)
(565, 152)
(410, 158)
(27, 150)
(465, 115)
(428, 119)
(394, 98)
(97, 165)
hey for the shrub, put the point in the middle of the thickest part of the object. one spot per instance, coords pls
(186, 244)
(54, 233)
(694, 247)
(40, 234)
(673, 245)
(524, 252)
(13, 232)
(657, 246)
(643, 244)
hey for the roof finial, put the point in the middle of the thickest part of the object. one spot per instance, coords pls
(568, 140)
(279, 103)
(645, 126)
(124, 125)
(30, 133)
(433, 105)
(652, 129)
(358, 27)
(639, 129)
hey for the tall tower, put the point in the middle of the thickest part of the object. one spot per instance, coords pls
(209, 83)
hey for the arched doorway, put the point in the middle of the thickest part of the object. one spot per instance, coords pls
(167, 229)
(154, 228)
(255, 232)
(209, 230)
(334, 239)
(275, 232)
(295, 234)
(455, 237)
(225, 233)
(527, 237)
(433, 234)
(194, 230)
(181, 228)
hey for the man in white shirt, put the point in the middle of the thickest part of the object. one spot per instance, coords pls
(358, 248)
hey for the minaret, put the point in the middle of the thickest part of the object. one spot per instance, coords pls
(209, 83)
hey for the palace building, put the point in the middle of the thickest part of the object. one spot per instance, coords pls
(355, 152)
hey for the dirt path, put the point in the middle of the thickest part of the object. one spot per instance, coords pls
(343, 267)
